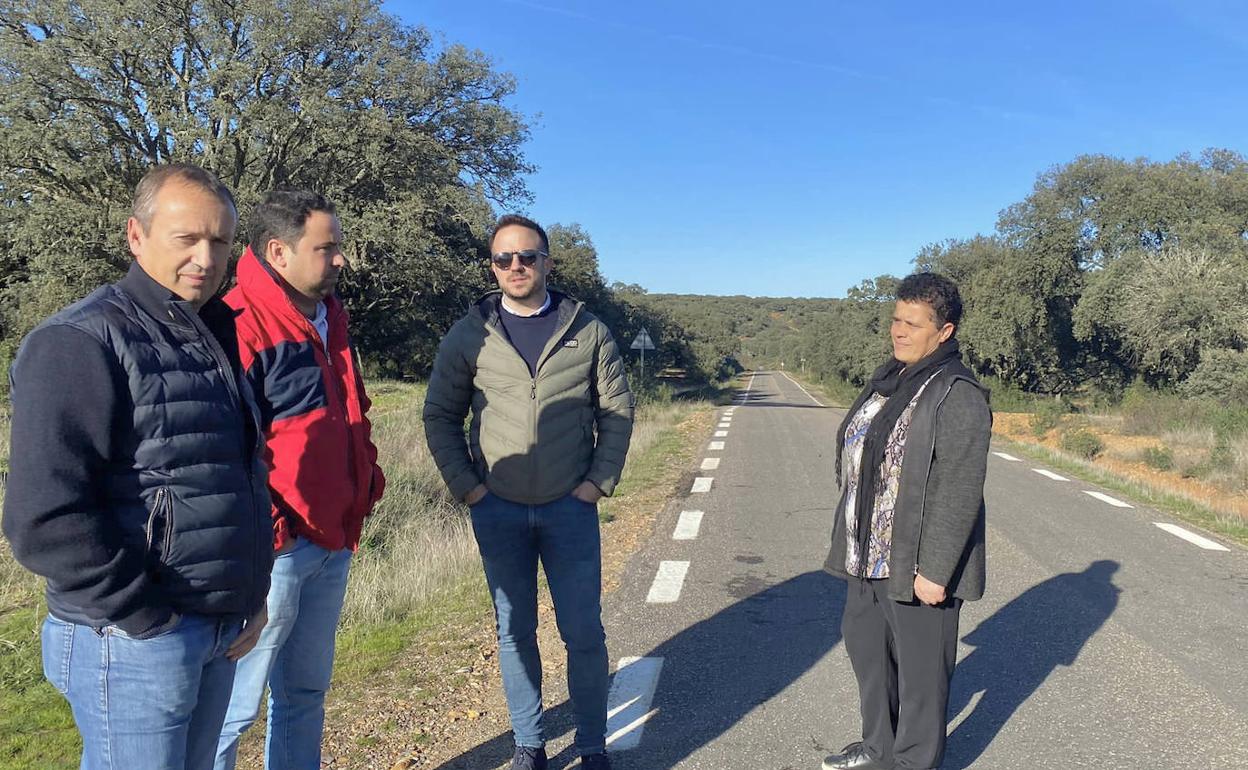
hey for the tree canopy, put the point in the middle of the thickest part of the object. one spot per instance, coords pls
(413, 141)
(1109, 271)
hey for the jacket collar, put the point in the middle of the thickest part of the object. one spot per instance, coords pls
(489, 306)
(158, 301)
(262, 287)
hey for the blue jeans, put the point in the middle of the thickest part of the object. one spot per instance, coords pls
(143, 704)
(564, 535)
(295, 657)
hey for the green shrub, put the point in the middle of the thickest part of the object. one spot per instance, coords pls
(1102, 396)
(1047, 415)
(1083, 443)
(1007, 397)
(1158, 457)
(1221, 376)
(1221, 458)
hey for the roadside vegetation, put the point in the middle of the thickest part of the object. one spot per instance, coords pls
(415, 580)
(1183, 456)
(1107, 312)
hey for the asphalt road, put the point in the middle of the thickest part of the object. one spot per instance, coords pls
(1103, 642)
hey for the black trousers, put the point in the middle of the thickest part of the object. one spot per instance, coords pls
(903, 656)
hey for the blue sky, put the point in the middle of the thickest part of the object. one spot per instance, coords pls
(795, 148)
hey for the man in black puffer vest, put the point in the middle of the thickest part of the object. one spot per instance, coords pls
(138, 488)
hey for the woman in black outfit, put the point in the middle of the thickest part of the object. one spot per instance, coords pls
(908, 532)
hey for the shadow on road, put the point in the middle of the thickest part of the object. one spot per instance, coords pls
(717, 671)
(1019, 646)
(786, 405)
(714, 673)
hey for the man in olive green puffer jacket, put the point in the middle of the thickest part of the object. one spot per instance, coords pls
(551, 420)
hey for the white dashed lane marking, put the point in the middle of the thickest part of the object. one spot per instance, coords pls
(687, 525)
(1004, 456)
(1192, 537)
(628, 703)
(715, 446)
(667, 582)
(721, 433)
(710, 463)
(1107, 499)
(702, 484)
(1050, 474)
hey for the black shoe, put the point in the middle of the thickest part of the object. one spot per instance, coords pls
(852, 757)
(597, 761)
(528, 758)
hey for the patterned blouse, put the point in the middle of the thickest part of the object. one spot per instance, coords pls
(880, 544)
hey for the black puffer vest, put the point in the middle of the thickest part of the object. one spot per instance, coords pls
(188, 485)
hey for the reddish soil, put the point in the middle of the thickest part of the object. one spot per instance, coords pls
(1120, 457)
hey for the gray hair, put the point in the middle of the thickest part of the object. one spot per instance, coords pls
(156, 177)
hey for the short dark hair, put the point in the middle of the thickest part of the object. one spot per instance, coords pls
(936, 291)
(516, 219)
(150, 185)
(282, 215)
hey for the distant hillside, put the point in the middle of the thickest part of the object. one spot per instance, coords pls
(733, 332)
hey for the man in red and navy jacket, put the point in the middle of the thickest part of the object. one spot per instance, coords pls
(323, 473)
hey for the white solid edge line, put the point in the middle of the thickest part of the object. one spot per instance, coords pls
(1191, 537)
(799, 387)
(702, 484)
(628, 703)
(1050, 474)
(1104, 498)
(710, 463)
(1004, 456)
(687, 525)
(715, 446)
(668, 582)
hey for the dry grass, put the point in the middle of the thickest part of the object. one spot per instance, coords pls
(415, 560)
(1190, 446)
(17, 586)
(419, 541)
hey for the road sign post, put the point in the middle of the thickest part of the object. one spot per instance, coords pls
(643, 342)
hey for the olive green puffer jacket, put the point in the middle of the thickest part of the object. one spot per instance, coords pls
(532, 439)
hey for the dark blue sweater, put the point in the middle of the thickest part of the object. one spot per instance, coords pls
(529, 334)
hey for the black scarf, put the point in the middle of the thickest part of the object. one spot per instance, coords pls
(899, 384)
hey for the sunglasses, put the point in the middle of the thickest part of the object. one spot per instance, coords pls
(528, 258)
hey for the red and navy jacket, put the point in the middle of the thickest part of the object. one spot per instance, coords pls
(323, 471)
